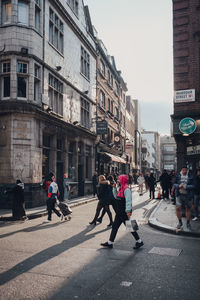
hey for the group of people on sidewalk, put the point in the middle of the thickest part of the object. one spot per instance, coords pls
(119, 195)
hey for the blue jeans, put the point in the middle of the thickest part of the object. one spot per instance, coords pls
(196, 205)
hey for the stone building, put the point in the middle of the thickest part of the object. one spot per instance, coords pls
(186, 116)
(130, 132)
(111, 114)
(145, 161)
(47, 95)
(167, 153)
(153, 140)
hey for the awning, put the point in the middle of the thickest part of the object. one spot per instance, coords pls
(115, 158)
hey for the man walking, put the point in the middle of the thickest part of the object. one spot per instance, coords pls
(184, 186)
(53, 193)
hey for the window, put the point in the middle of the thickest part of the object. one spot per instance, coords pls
(85, 63)
(116, 113)
(37, 14)
(102, 99)
(6, 12)
(22, 79)
(36, 83)
(109, 76)
(102, 68)
(5, 80)
(85, 113)
(169, 148)
(56, 95)
(56, 31)
(112, 107)
(109, 104)
(23, 12)
(73, 5)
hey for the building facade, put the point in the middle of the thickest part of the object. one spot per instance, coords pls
(186, 116)
(130, 132)
(48, 95)
(168, 159)
(145, 163)
(153, 140)
(138, 136)
(110, 115)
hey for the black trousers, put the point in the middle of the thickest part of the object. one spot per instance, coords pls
(51, 207)
(152, 193)
(99, 208)
(120, 218)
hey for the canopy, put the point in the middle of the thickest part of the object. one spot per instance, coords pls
(115, 158)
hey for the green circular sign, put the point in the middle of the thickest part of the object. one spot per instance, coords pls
(187, 125)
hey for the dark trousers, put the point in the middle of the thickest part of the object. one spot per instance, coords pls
(120, 218)
(99, 208)
(165, 191)
(113, 203)
(152, 193)
(51, 207)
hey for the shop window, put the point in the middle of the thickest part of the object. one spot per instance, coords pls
(88, 162)
(6, 10)
(5, 79)
(46, 154)
(71, 161)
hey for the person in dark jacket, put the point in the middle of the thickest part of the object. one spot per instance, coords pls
(112, 199)
(151, 184)
(104, 200)
(196, 195)
(172, 176)
(184, 186)
(165, 184)
(18, 202)
(94, 183)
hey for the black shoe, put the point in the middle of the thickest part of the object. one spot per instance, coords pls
(138, 245)
(107, 245)
(92, 223)
(99, 220)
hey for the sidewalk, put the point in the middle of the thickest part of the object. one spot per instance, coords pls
(164, 218)
(36, 212)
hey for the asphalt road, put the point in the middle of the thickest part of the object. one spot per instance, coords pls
(65, 260)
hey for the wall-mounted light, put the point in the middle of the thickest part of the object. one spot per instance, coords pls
(58, 68)
(185, 134)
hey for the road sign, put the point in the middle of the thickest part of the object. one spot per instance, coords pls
(187, 125)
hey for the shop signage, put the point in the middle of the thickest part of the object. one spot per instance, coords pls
(192, 150)
(187, 125)
(184, 96)
(102, 127)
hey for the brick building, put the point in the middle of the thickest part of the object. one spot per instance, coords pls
(47, 95)
(186, 117)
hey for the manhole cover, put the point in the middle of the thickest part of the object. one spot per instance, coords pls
(166, 251)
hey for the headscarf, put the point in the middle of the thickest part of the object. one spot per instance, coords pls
(124, 185)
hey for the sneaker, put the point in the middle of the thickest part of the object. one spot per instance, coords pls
(138, 245)
(46, 221)
(179, 226)
(61, 217)
(110, 224)
(195, 219)
(99, 220)
(189, 226)
(107, 245)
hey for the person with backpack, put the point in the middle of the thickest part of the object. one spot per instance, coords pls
(53, 193)
(123, 213)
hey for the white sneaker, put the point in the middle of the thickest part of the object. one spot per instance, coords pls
(195, 219)
(46, 221)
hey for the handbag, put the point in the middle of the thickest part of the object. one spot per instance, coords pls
(131, 225)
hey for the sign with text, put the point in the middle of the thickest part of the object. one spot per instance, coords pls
(102, 127)
(184, 96)
(187, 125)
(193, 150)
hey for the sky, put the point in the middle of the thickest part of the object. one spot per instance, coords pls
(138, 33)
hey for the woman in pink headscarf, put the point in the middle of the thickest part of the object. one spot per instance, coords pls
(123, 213)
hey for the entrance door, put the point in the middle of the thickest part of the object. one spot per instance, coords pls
(80, 181)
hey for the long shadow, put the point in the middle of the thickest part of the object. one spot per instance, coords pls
(45, 255)
(32, 228)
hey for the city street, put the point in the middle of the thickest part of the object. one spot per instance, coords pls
(64, 260)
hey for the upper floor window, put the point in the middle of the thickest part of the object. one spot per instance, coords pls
(56, 94)
(5, 79)
(74, 5)
(56, 31)
(36, 82)
(102, 99)
(37, 14)
(116, 112)
(23, 12)
(109, 104)
(6, 11)
(102, 68)
(85, 113)
(22, 79)
(85, 63)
